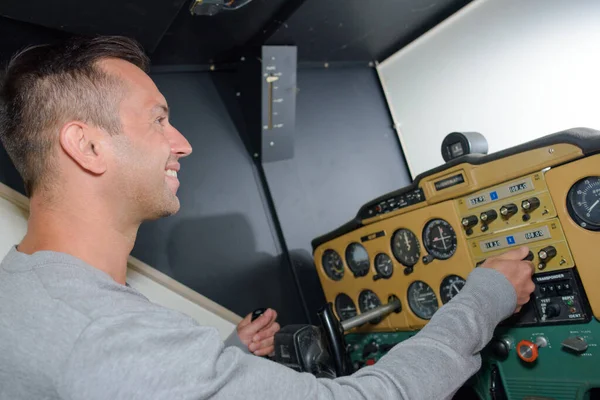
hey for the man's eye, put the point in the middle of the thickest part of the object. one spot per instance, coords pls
(160, 120)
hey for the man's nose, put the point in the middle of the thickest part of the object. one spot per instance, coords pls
(179, 144)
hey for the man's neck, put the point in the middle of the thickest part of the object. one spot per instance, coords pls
(98, 241)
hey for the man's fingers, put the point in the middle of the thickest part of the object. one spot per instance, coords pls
(515, 254)
(245, 321)
(265, 344)
(260, 323)
(518, 309)
(265, 352)
(266, 333)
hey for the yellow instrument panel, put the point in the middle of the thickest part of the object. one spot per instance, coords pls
(420, 244)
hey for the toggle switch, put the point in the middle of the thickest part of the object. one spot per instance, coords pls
(530, 204)
(576, 344)
(547, 253)
(509, 210)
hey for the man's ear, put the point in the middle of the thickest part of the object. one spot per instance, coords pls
(82, 143)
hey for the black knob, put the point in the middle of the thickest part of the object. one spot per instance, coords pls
(370, 348)
(529, 256)
(501, 348)
(552, 310)
(257, 313)
(547, 253)
(530, 204)
(427, 259)
(509, 210)
(469, 221)
(488, 216)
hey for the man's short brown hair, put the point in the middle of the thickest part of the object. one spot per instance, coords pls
(46, 86)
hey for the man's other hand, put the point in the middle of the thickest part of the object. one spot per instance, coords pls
(517, 271)
(259, 335)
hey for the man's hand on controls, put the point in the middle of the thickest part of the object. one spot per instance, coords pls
(259, 335)
(517, 270)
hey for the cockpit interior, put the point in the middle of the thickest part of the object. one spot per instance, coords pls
(355, 160)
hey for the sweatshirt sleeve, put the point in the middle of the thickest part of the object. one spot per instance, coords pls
(164, 355)
(234, 340)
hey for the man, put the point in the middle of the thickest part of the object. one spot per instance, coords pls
(89, 132)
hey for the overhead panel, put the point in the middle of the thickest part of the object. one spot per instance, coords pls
(146, 21)
(194, 39)
(358, 30)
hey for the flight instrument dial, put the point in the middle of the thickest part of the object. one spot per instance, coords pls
(422, 300)
(583, 203)
(405, 247)
(439, 239)
(368, 300)
(333, 264)
(357, 259)
(450, 287)
(384, 265)
(344, 307)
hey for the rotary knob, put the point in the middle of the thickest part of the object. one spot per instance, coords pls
(552, 310)
(530, 204)
(509, 210)
(547, 253)
(469, 221)
(488, 216)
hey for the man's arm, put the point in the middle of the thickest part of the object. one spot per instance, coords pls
(166, 355)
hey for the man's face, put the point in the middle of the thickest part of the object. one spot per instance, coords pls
(146, 153)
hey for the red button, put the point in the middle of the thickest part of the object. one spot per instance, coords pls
(370, 361)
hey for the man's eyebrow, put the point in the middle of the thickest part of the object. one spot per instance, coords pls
(160, 108)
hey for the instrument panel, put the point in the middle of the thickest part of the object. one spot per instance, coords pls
(420, 243)
(397, 252)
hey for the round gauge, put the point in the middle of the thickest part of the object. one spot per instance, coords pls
(439, 239)
(344, 307)
(384, 265)
(422, 299)
(357, 259)
(333, 264)
(451, 285)
(405, 247)
(583, 203)
(368, 300)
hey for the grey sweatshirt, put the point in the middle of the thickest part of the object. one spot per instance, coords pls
(68, 331)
